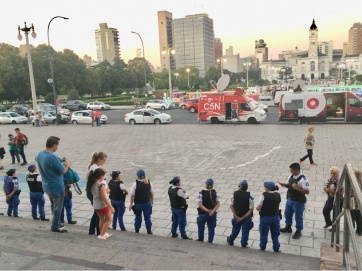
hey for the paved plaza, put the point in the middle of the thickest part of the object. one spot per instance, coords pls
(225, 153)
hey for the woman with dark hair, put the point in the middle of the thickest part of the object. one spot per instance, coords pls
(118, 193)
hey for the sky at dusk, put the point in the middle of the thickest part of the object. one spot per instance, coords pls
(282, 24)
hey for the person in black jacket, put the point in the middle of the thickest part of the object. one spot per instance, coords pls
(268, 207)
(179, 206)
(242, 206)
(118, 193)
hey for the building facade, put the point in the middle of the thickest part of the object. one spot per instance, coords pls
(218, 52)
(107, 43)
(165, 36)
(355, 39)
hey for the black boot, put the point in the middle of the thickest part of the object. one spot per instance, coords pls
(149, 232)
(286, 229)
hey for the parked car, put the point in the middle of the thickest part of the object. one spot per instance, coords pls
(19, 109)
(75, 105)
(12, 117)
(98, 105)
(49, 117)
(2, 108)
(147, 116)
(51, 107)
(260, 105)
(183, 104)
(192, 105)
(85, 117)
(158, 104)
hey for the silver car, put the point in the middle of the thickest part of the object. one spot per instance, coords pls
(98, 105)
(12, 118)
(85, 117)
(158, 104)
(49, 117)
(147, 116)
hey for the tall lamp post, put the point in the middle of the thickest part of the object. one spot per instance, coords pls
(221, 60)
(188, 77)
(169, 52)
(247, 64)
(26, 31)
(52, 80)
(144, 59)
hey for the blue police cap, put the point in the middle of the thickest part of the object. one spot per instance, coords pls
(141, 173)
(269, 185)
(243, 182)
(209, 182)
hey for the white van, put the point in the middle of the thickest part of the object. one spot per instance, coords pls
(278, 95)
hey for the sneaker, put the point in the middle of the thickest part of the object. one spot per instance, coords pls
(286, 229)
(72, 222)
(314, 164)
(231, 243)
(23, 164)
(60, 230)
(107, 235)
(62, 226)
(200, 240)
(36, 218)
(137, 231)
(101, 237)
(209, 241)
(327, 226)
(175, 235)
(297, 234)
(45, 219)
(149, 232)
(123, 229)
(186, 238)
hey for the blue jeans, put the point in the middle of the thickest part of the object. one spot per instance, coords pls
(201, 220)
(98, 123)
(119, 209)
(272, 223)
(178, 219)
(21, 152)
(56, 202)
(14, 153)
(13, 204)
(296, 208)
(94, 221)
(245, 225)
(37, 200)
(146, 208)
(68, 208)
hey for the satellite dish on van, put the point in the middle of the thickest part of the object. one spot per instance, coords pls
(223, 82)
(298, 85)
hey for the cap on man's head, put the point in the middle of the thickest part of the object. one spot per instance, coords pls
(209, 182)
(269, 185)
(10, 135)
(243, 182)
(31, 167)
(141, 173)
(11, 171)
(175, 179)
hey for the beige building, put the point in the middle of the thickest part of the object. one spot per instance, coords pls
(165, 38)
(107, 43)
(355, 39)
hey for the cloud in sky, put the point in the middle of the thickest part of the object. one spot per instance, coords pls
(282, 24)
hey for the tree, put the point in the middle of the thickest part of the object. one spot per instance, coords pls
(358, 78)
(212, 73)
(73, 95)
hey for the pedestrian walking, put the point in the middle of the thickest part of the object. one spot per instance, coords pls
(68, 204)
(178, 197)
(142, 201)
(118, 193)
(242, 206)
(12, 191)
(330, 188)
(268, 207)
(101, 204)
(51, 170)
(98, 159)
(309, 144)
(36, 193)
(298, 187)
(20, 139)
(208, 204)
(97, 117)
(13, 149)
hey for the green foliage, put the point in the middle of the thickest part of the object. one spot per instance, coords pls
(49, 98)
(73, 95)
(358, 78)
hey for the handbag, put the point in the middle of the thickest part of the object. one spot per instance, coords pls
(72, 177)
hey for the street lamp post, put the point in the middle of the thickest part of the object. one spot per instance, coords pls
(144, 59)
(26, 31)
(52, 80)
(247, 64)
(168, 52)
(188, 77)
(221, 60)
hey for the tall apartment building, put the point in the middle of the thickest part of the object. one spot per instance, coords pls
(231, 62)
(193, 38)
(165, 38)
(107, 43)
(355, 39)
(262, 49)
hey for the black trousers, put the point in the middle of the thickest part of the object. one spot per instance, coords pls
(310, 155)
(328, 207)
(357, 219)
(94, 222)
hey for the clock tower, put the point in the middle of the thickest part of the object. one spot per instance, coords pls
(313, 40)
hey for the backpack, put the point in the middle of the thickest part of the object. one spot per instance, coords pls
(26, 140)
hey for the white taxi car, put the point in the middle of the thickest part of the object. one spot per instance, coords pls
(98, 105)
(85, 117)
(158, 104)
(147, 116)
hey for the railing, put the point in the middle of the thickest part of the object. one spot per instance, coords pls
(347, 183)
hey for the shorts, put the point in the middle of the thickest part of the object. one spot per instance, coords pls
(103, 211)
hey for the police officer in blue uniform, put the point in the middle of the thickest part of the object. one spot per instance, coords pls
(208, 203)
(179, 206)
(298, 187)
(242, 206)
(268, 207)
(142, 198)
(12, 192)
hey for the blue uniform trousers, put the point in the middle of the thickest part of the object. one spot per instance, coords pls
(68, 204)
(245, 225)
(179, 219)
(37, 200)
(296, 208)
(272, 223)
(202, 219)
(119, 209)
(146, 209)
(13, 204)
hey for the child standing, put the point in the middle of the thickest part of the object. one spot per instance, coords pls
(309, 144)
(12, 192)
(36, 193)
(101, 203)
(67, 204)
(13, 149)
(117, 195)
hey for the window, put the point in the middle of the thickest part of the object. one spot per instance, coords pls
(244, 107)
(312, 66)
(137, 113)
(147, 114)
(354, 102)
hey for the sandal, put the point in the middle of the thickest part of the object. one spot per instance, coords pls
(107, 235)
(102, 237)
